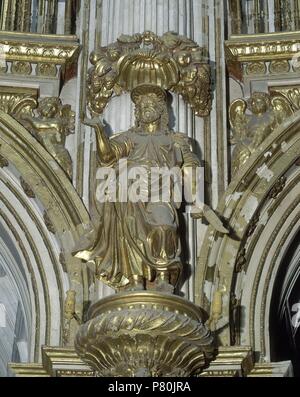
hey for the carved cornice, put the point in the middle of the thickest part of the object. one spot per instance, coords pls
(231, 361)
(264, 47)
(32, 47)
(27, 49)
(28, 370)
(259, 54)
(279, 369)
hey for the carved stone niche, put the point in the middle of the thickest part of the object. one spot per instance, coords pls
(145, 334)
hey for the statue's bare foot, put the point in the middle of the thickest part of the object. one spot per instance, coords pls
(163, 286)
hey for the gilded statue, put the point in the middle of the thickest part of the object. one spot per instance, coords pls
(138, 244)
(250, 130)
(52, 124)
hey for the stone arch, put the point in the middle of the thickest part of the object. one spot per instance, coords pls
(43, 218)
(262, 209)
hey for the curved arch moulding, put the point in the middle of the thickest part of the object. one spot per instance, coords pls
(44, 217)
(262, 209)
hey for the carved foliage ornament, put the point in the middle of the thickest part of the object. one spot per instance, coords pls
(21, 68)
(291, 93)
(281, 66)
(27, 188)
(3, 162)
(171, 61)
(17, 101)
(144, 334)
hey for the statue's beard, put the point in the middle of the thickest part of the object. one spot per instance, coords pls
(149, 116)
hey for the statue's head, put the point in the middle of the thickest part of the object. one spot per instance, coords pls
(150, 105)
(259, 103)
(49, 107)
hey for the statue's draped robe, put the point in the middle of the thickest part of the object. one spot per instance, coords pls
(140, 238)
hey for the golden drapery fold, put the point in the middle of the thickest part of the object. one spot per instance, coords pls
(141, 239)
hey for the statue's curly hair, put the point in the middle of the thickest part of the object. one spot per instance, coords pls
(259, 95)
(46, 101)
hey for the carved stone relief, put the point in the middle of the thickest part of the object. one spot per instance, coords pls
(51, 123)
(252, 120)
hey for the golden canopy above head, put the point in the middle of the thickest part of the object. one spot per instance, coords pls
(147, 65)
(171, 61)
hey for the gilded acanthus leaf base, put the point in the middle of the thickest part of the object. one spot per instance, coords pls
(145, 334)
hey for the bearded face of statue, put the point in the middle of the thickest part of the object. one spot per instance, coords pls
(148, 109)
